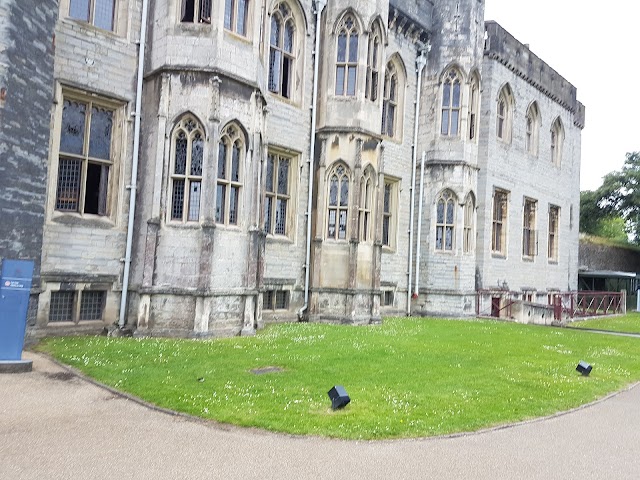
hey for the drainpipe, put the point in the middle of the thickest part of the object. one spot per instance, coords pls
(320, 4)
(421, 61)
(416, 290)
(134, 168)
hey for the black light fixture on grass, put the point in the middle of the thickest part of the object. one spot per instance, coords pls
(338, 396)
(584, 368)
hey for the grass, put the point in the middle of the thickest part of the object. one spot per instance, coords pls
(406, 378)
(629, 323)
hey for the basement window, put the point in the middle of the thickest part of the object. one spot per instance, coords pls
(275, 300)
(75, 306)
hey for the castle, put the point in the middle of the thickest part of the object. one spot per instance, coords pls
(203, 167)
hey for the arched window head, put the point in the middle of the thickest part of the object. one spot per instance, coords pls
(338, 204)
(373, 65)
(231, 151)
(347, 57)
(390, 101)
(282, 51)
(365, 207)
(532, 128)
(503, 115)
(474, 105)
(187, 152)
(445, 221)
(451, 100)
(557, 142)
(468, 237)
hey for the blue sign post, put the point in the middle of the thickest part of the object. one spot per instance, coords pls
(15, 287)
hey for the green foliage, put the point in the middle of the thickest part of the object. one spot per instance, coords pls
(617, 197)
(406, 378)
(629, 323)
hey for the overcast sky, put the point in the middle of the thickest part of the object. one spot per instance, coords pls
(596, 47)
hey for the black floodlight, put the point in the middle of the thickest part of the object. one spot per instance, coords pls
(339, 397)
(584, 368)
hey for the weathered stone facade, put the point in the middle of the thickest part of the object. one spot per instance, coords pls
(325, 161)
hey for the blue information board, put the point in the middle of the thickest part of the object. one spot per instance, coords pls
(15, 286)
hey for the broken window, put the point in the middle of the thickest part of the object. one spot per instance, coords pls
(196, 11)
(281, 51)
(85, 157)
(186, 177)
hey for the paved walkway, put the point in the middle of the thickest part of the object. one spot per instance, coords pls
(54, 425)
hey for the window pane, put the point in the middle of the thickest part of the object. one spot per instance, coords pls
(342, 228)
(274, 70)
(342, 48)
(103, 14)
(385, 230)
(393, 90)
(79, 9)
(387, 198)
(440, 212)
(228, 9)
(220, 203)
(353, 48)
(454, 121)
(91, 305)
(351, 81)
(72, 131)
(283, 177)
(333, 191)
(188, 11)
(268, 205)
(194, 202)
(340, 81)
(448, 241)
(275, 30)
(445, 122)
(281, 217)
(177, 200)
(344, 191)
(205, 11)
(288, 37)
(456, 94)
(439, 238)
(286, 75)
(61, 306)
(235, 163)
(233, 205)
(181, 154)
(100, 136)
(270, 168)
(68, 185)
(446, 95)
(241, 24)
(332, 224)
(222, 160)
(390, 123)
(197, 150)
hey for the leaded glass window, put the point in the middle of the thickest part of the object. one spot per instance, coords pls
(529, 228)
(364, 211)
(236, 16)
(281, 51)
(373, 65)
(277, 194)
(467, 241)
(450, 124)
(390, 101)
(186, 178)
(85, 157)
(347, 57)
(231, 151)
(338, 208)
(445, 221)
(499, 222)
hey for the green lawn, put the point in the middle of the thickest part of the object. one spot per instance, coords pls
(406, 377)
(629, 323)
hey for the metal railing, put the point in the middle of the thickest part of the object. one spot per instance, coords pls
(589, 303)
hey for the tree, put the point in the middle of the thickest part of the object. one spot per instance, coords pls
(619, 196)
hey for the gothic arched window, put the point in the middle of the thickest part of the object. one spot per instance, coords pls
(231, 150)
(451, 100)
(347, 57)
(187, 154)
(338, 204)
